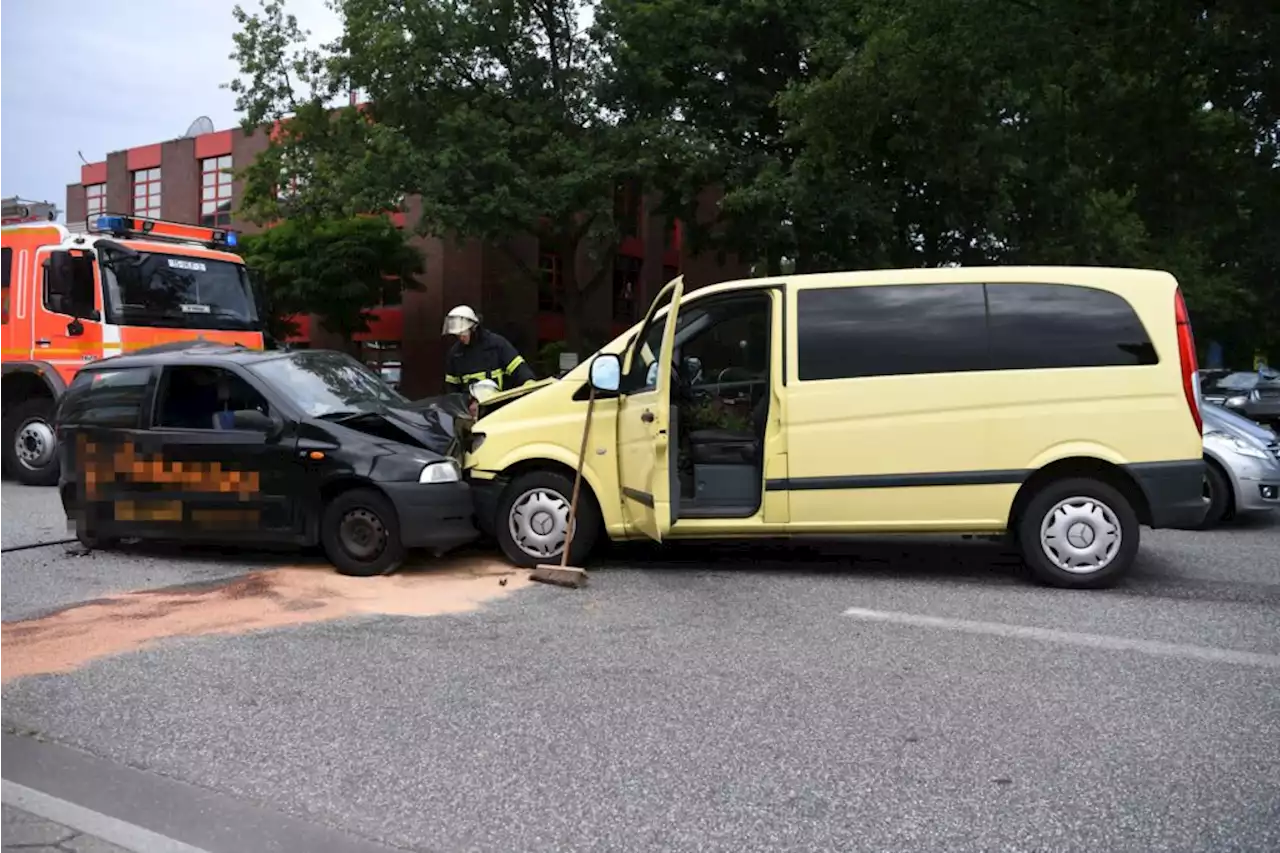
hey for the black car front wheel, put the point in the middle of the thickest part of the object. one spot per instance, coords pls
(360, 534)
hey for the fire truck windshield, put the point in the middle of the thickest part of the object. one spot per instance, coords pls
(157, 289)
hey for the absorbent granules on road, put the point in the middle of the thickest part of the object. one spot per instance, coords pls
(274, 598)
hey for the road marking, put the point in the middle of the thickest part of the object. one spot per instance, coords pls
(1071, 638)
(88, 821)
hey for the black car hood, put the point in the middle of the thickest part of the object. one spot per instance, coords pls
(436, 424)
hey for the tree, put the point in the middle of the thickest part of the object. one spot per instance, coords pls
(337, 269)
(486, 109)
(704, 80)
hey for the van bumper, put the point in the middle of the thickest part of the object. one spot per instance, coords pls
(1174, 492)
(485, 495)
(435, 516)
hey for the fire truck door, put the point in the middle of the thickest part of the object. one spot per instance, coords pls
(67, 328)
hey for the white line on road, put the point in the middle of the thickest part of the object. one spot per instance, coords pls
(88, 821)
(1071, 638)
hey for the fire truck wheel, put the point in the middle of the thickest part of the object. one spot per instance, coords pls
(30, 447)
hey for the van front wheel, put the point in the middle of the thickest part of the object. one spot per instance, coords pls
(533, 519)
(1078, 534)
(30, 443)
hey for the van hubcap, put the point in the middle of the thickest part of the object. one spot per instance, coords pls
(362, 534)
(34, 444)
(1081, 535)
(539, 522)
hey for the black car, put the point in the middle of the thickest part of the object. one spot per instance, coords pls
(216, 443)
(1254, 394)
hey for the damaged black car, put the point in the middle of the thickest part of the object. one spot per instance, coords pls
(213, 443)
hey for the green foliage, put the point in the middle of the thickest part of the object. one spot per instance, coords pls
(485, 109)
(337, 269)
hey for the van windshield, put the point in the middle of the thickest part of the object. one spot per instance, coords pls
(157, 289)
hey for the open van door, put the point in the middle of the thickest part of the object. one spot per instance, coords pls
(646, 420)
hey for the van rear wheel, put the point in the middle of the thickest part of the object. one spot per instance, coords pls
(1078, 533)
(30, 444)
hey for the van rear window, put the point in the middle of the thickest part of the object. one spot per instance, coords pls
(1039, 326)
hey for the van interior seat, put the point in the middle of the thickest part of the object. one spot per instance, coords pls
(727, 447)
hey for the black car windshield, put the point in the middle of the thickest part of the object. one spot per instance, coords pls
(324, 383)
(175, 290)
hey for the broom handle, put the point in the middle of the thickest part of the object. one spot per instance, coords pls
(577, 478)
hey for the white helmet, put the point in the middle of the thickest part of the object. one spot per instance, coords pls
(459, 320)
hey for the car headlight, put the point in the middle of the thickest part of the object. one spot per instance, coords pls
(1239, 445)
(440, 472)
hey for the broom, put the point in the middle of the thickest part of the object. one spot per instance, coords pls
(565, 574)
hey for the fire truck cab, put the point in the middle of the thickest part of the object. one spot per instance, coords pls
(125, 284)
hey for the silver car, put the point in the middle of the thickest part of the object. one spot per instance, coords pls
(1242, 470)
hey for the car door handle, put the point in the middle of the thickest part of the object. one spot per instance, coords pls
(646, 416)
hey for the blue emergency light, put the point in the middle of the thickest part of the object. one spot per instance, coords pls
(111, 223)
(231, 238)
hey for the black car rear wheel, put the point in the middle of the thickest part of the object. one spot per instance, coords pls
(360, 534)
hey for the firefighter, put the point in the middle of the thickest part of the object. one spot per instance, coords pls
(479, 353)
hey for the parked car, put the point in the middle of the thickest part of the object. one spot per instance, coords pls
(1057, 405)
(213, 443)
(1250, 393)
(1242, 470)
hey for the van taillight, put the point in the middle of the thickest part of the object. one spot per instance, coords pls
(1187, 355)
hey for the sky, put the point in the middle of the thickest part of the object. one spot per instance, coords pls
(102, 76)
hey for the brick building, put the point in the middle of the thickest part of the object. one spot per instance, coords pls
(190, 180)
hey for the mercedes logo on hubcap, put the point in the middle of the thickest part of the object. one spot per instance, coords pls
(542, 523)
(1080, 535)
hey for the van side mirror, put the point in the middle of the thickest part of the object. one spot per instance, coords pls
(606, 372)
(75, 328)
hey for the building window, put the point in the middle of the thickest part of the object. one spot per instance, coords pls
(215, 191)
(626, 209)
(146, 192)
(550, 282)
(95, 200)
(626, 287)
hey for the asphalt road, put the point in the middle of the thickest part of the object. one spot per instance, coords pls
(873, 697)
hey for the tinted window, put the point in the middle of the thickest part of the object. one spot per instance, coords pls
(6, 263)
(1057, 325)
(106, 398)
(888, 331)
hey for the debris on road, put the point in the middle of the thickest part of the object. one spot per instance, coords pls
(273, 598)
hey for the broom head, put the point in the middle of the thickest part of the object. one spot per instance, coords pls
(559, 575)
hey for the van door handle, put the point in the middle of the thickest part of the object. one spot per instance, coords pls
(43, 342)
(646, 416)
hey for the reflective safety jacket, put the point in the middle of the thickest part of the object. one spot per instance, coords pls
(488, 356)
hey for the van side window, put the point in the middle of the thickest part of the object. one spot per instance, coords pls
(891, 330)
(106, 398)
(199, 397)
(1037, 326)
(6, 263)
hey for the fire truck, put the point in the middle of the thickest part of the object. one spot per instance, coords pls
(117, 285)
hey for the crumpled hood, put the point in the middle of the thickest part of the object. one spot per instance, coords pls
(433, 424)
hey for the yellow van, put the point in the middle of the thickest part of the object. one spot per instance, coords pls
(1059, 405)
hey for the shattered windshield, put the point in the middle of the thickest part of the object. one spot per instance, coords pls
(328, 384)
(175, 290)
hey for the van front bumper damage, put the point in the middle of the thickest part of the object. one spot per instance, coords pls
(1174, 492)
(485, 494)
